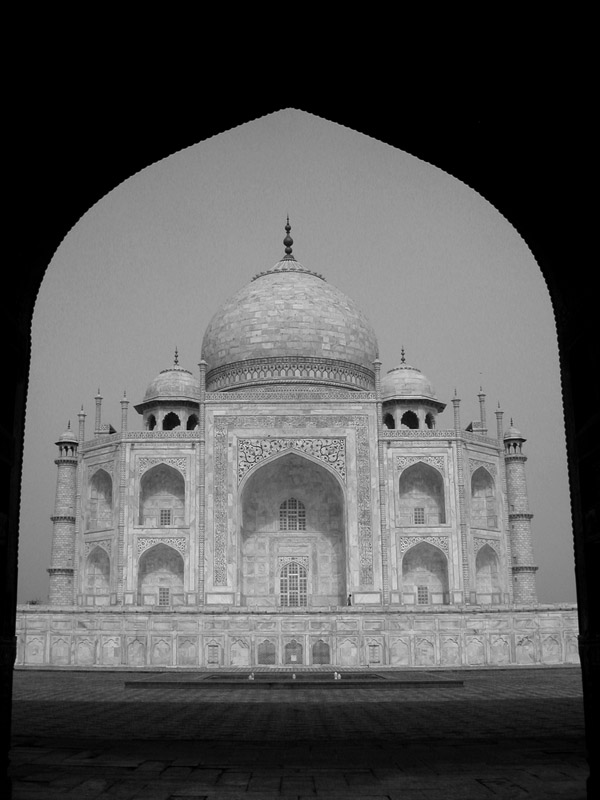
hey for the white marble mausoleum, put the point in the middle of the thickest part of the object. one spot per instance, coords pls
(288, 503)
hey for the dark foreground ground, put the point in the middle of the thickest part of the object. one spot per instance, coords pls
(515, 733)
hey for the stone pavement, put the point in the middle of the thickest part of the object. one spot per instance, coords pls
(506, 733)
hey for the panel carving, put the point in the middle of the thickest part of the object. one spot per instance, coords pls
(145, 463)
(475, 463)
(359, 423)
(283, 560)
(145, 542)
(437, 541)
(106, 466)
(330, 451)
(105, 544)
(478, 543)
(402, 462)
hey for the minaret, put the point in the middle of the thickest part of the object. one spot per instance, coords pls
(63, 534)
(98, 425)
(482, 420)
(519, 518)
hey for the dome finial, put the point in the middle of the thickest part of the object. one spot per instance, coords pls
(176, 359)
(288, 241)
(402, 358)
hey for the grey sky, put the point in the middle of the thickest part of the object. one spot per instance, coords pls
(432, 264)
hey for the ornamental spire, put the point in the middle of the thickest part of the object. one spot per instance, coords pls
(288, 242)
(402, 358)
(176, 359)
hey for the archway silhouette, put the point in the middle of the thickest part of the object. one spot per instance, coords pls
(493, 153)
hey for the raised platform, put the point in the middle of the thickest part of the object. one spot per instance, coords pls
(192, 638)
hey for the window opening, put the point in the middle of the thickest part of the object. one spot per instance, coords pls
(374, 657)
(419, 514)
(292, 515)
(293, 585)
(422, 595)
(165, 517)
(163, 596)
(212, 656)
(389, 422)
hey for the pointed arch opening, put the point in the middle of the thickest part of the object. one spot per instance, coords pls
(487, 572)
(425, 574)
(409, 420)
(483, 499)
(292, 509)
(171, 422)
(162, 498)
(421, 496)
(389, 421)
(97, 576)
(100, 501)
(160, 577)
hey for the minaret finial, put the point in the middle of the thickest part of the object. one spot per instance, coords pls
(402, 358)
(288, 241)
(176, 359)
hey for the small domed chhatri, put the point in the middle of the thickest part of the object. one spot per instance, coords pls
(289, 326)
(409, 399)
(171, 399)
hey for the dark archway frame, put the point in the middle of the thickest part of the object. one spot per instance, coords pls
(528, 162)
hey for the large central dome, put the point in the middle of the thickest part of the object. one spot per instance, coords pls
(289, 326)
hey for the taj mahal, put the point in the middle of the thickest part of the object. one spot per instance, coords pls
(289, 503)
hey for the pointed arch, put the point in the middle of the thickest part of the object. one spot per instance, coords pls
(162, 497)
(483, 499)
(160, 576)
(425, 574)
(100, 501)
(97, 572)
(421, 496)
(171, 421)
(409, 420)
(280, 499)
(487, 575)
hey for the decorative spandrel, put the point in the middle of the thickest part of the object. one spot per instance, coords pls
(331, 451)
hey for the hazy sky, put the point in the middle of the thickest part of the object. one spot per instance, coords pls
(432, 264)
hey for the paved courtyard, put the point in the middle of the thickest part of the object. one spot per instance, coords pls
(513, 733)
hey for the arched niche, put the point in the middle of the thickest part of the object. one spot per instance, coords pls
(421, 496)
(160, 576)
(99, 501)
(162, 497)
(389, 421)
(317, 542)
(97, 572)
(425, 574)
(487, 575)
(483, 499)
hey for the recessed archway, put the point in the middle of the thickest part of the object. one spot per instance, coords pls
(160, 576)
(292, 511)
(421, 496)
(425, 574)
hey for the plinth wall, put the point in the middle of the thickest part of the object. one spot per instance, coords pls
(348, 637)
